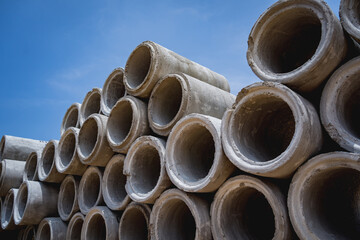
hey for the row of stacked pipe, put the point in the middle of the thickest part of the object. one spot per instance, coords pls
(164, 151)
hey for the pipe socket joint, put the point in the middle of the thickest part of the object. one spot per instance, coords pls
(71, 118)
(91, 104)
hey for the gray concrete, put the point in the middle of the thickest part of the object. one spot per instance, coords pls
(71, 118)
(31, 167)
(324, 197)
(67, 203)
(47, 171)
(313, 46)
(29, 232)
(91, 104)
(271, 130)
(7, 210)
(195, 160)
(145, 170)
(149, 62)
(178, 95)
(127, 121)
(349, 16)
(51, 228)
(75, 226)
(113, 184)
(11, 175)
(112, 90)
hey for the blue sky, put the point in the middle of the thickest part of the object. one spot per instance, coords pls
(53, 52)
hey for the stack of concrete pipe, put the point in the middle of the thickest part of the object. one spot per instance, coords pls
(164, 151)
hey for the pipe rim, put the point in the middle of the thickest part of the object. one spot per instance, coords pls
(31, 171)
(93, 96)
(2, 171)
(19, 213)
(29, 231)
(2, 146)
(73, 109)
(7, 218)
(66, 215)
(63, 165)
(44, 225)
(74, 221)
(43, 173)
(348, 21)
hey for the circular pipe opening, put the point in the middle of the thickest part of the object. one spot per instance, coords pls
(116, 181)
(71, 118)
(134, 225)
(96, 228)
(45, 232)
(22, 199)
(88, 137)
(67, 197)
(120, 122)
(92, 105)
(2, 147)
(29, 233)
(48, 159)
(31, 166)
(7, 209)
(114, 90)
(91, 190)
(138, 66)
(67, 149)
(76, 229)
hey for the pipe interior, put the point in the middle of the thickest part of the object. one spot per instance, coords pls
(48, 159)
(31, 166)
(72, 118)
(67, 197)
(45, 232)
(22, 200)
(176, 221)
(145, 169)
(88, 137)
(30, 234)
(289, 40)
(134, 225)
(8, 207)
(92, 105)
(67, 150)
(330, 204)
(96, 229)
(263, 128)
(194, 152)
(76, 229)
(120, 121)
(116, 181)
(352, 8)
(91, 190)
(138, 66)
(114, 90)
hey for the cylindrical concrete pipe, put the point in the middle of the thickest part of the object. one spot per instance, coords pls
(11, 175)
(51, 228)
(31, 167)
(149, 62)
(91, 104)
(18, 148)
(7, 210)
(324, 197)
(178, 95)
(112, 90)
(93, 147)
(35, 201)
(127, 121)
(67, 160)
(71, 118)
(101, 223)
(68, 197)
(268, 129)
(195, 160)
(29, 233)
(178, 215)
(134, 222)
(350, 20)
(246, 207)
(90, 190)
(340, 105)
(113, 184)
(297, 43)
(75, 226)
(47, 171)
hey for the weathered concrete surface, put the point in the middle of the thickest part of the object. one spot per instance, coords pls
(7, 210)
(51, 228)
(178, 95)
(47, 171)
(267, 131)
(297, 43)
(349, 17)
(71, 118)
(67, 203)
(75, 226)
(91, 104)
(11, 175)
(149, 62)
(31, 166)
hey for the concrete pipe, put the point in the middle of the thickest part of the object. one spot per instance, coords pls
(195, 160)
(35, 201)
(75, 226)
(149, 62)
(7, 210)
(11, 175)
(340, 105)
(112, 90)
(178, 95)
(100, 223)
(113, 184)
(67, 160)
(177, 215)
(47, 171)
(67, 203)
(51, 228)
(249, 208)
(71, 118)
(93, 147)
(297, 43)
(324, 197)
(29, 233)
(268, 129)
(145, 169)
(31, 167)
(90, 192)
(350, 18)
(134, 222)
(18, 148)
(127, 121)
(91, 104)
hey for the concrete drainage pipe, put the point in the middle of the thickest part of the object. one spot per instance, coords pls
(68, 197)
(11, 175)
(51, 228)
(31, 167)
(71, 118)
(350, 20)
(267, 131)
(149, 62)
(29, 233)
(91, 104)
(46, 168)
(75, 226)
(7, 210)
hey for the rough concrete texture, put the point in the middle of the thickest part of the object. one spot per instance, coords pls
(11, 175)
(91, 104)
(67, 203)
(18, 148)
(350, 18)
(134, 222)
(178, 95)
(7, 210)
(268, 129)
(145, 169)
(67, 160)
(297, 43)
(127, 121)
(93, 147)
(71, 118)
(29, 233)
(31, 167)
(324, 197)
(101, 223)
(47, 171)
(113, 184)
(246, 207)
(149, 62)
(195, 160)
(112, 90)
(75, 226)
(340, 106)
(90, 190)
(51, 228)
(178, 215)
(34, 201)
